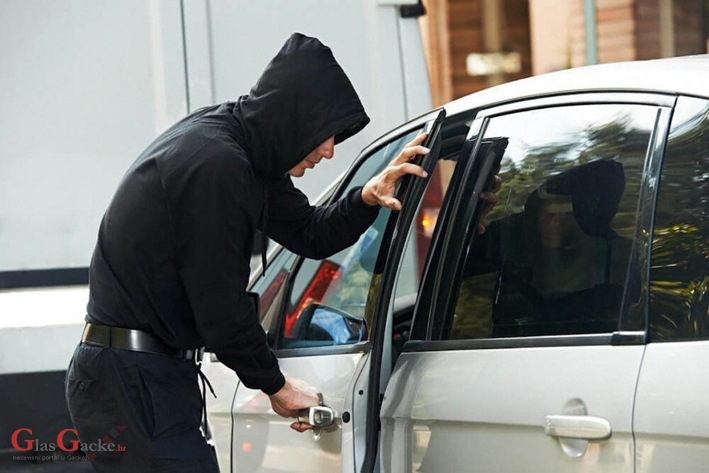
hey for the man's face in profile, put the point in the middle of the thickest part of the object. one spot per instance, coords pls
(556, 221)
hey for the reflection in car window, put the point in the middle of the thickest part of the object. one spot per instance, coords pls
(557, 257)
(328, 297)
(679, 274)
(269, 286)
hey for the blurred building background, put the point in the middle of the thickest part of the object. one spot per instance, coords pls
(474, 44)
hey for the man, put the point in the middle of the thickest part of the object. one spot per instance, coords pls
(171, 265)
(556, 268)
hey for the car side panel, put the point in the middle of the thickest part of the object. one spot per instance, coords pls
(671, 417)
(485, 409)
(264, 441)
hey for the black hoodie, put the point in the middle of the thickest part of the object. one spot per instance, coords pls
(174, 245)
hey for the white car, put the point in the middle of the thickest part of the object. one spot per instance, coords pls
(570, 336)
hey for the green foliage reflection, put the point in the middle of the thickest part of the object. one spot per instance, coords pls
(679, 295)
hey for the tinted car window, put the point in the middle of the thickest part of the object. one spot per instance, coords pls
(327, 300)
(558, 254)
(679, 274)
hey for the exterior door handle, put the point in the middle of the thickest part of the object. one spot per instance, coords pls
(578, 427)
(317, 416)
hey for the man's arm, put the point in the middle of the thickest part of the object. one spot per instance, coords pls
(318, 232)
(213, 236)
(213, 239)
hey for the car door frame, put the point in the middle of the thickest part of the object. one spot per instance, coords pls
(410, 195)
(438, 276)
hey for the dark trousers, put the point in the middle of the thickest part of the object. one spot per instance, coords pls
(148, 407)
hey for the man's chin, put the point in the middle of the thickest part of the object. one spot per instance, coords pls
(296, 172)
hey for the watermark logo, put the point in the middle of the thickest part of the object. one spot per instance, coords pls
(67, 441)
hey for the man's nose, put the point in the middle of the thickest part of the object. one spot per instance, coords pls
(327, 149)
(553, 220)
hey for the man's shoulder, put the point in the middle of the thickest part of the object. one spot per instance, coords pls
(201, 147)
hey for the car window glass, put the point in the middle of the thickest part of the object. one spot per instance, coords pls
(558, 255)
(327, 300)
(271, 285)
(679, 274)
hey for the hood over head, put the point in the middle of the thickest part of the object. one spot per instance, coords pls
(595, 189)
(302, 98)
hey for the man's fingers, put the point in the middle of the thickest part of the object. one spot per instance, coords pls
(490, 197)
(410, 152)
(299, 427)
(380, 189)
(417, 140)
(406, 168)
(289, 400)
(412, 148)
(496, 183)
(391, 203)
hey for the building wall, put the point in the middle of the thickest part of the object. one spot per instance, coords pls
(453, 29)
(577, 45)
(549, 30)
(465, 20)
(649, 30)
(630, 30)
(689, 29)
(616, 22)
(626, 30)
(518, 35)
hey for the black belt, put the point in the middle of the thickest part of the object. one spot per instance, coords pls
(134, 340)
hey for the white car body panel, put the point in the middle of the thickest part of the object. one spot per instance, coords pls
(224, 382)
(671, 418)
(643, 76)
(496, 400)
(285, 449)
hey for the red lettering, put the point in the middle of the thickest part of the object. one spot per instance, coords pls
(30, 443)
(74, 443)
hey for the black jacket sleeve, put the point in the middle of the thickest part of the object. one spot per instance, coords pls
(214, 233)
(316, 232)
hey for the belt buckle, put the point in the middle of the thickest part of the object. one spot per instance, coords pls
(194, 355)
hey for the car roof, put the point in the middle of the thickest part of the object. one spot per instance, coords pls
(688, 75)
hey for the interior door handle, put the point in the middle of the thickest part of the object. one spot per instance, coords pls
(578, 427)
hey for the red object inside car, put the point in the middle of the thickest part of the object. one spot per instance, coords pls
(327, 274)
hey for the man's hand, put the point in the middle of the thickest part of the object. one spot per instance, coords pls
(491, 198)
(289, 400)
(380, 189)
